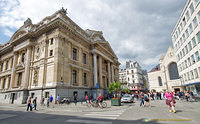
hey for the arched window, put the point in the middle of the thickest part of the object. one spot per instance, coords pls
(173, 71)
(160, 81)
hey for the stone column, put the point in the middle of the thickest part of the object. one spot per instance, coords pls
(100, 72)
(112, 72)
(95, 68)
(1, 83)
(45, 62)
(16, 79)
(12, 81)
(27, 67)
(109, 75)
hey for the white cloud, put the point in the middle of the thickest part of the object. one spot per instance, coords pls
(137, 30)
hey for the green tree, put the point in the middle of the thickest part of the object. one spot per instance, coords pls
(114, 87)
(126, 90)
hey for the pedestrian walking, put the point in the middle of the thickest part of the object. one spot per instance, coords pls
(29, 104)
(146, 99)
(51, 99)
(48, 101)
(75, 98)
(58, 99)
(87, 98)
(187, 96)
(141, 98)
(35, 103)
(170, 101)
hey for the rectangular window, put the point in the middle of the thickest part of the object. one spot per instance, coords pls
(46, 94)
(190, 46)
(187, 15)
(188, 75)
(186, 49)
(189, 62)
(183, 51)
(179, 29)
(51, 53)
(192, 74)
(74, 54)
(185, 76)
(84, 78)
(198, 37)
(127, 72)
(184, 38)
(183, 65)
(190, 28)
(196, 73)
(187, 33)
(181, 55)
(181, 26)
(197, 56)
(84, 58)
(195, 23)
(193, 60)
(186, 64)
(178, 57)
(23, 57)
(6, 65)
(32, 95)
(194, 42)
(51, 41)
(74, 75)
(191, 8)
(184, 22)
(19, 81)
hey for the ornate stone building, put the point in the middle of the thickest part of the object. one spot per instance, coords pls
(132, 77)
(55, 56)
(165, 75)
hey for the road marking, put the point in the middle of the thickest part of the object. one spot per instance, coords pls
(5, 116)
(88, 121)
(104, 115)
(116, 115)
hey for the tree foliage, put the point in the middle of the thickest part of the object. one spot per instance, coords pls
(114, 87)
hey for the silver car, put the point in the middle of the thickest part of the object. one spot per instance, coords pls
(127, 98)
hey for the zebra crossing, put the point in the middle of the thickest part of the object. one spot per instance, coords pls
(97, 117)
(110, 115)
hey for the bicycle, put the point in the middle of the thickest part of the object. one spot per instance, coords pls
(96, 104)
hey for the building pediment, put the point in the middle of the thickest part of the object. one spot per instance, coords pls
(105, 45)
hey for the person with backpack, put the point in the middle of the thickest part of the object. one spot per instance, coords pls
(141, 98)
(146, 99)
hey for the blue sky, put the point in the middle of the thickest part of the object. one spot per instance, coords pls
(137, 30)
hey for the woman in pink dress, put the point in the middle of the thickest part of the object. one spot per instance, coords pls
(170, 101)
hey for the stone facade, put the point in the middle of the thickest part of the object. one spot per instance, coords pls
(132, 76)
(165, 75)
(55, 56)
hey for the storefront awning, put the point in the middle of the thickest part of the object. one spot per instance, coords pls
(192, 84)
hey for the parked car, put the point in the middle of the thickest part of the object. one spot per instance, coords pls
(127, 98)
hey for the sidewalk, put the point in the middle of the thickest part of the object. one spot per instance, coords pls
(79, 107)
